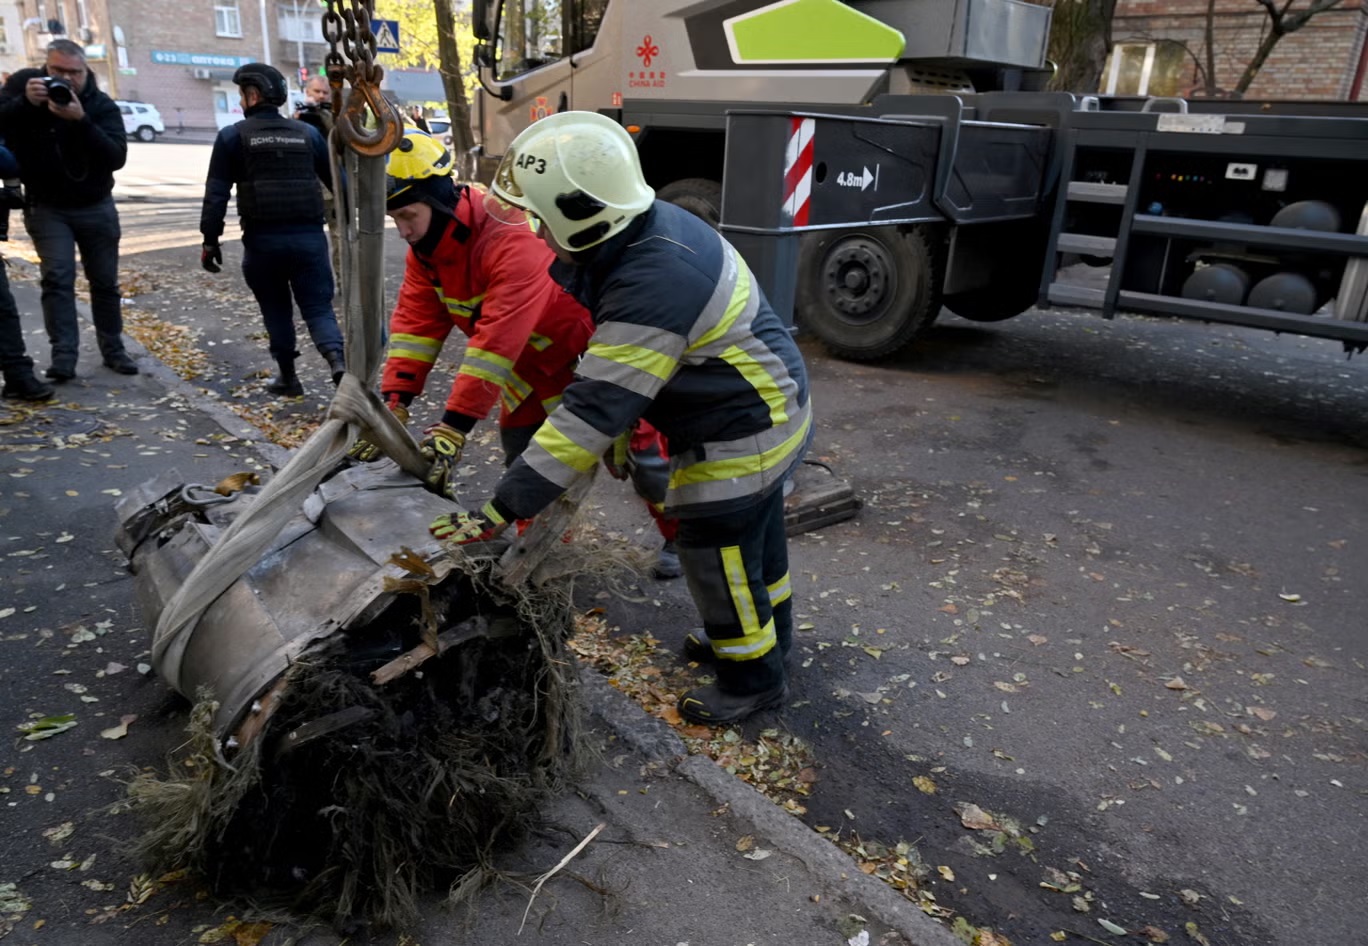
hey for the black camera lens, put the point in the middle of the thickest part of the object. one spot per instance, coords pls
(58, 91)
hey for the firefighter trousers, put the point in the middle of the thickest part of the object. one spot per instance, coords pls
(737, 569)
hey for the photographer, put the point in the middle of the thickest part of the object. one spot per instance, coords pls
(69, 139)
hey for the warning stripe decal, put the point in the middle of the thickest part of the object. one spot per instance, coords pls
(798, 171)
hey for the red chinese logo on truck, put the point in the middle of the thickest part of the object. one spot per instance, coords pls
(647, 51)
(539, 110)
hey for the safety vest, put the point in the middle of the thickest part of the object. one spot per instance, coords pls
(279, 182)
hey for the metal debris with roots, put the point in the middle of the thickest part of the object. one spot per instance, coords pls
(374, 714)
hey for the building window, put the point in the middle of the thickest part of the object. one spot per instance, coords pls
(227, 20)
(1145, 69)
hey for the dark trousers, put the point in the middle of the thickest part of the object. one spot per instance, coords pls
(278, 265)
(14, 357)
(737, 569)
(57, 232)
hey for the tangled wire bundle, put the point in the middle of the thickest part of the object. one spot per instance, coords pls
(357, 797)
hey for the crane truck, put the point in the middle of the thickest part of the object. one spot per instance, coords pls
(877, 160)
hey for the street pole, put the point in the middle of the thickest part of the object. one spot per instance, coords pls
(299, 39)
(265, 34)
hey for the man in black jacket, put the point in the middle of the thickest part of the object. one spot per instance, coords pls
(276, 164)
(69, 138)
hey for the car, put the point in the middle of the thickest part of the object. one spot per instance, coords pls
(440, 128)
(141, 121)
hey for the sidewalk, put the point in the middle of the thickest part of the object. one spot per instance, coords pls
(73, 643)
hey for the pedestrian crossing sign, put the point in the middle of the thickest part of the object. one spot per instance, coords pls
(386, 33)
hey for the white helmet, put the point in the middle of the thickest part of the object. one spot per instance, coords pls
(579, 172)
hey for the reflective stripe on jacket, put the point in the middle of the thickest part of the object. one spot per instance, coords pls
(684, 338)
(495, 288)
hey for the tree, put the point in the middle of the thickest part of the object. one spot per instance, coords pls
(1080, 38)
(1282, 20)
(426, 45)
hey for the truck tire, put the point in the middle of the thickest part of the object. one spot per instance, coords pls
(866, 293)
(698, 195)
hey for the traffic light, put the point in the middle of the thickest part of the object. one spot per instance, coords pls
(303, 75)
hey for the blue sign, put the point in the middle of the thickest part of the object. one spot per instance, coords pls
(164, 57)
(386, 33)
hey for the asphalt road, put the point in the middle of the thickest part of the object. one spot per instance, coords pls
(1107, 586)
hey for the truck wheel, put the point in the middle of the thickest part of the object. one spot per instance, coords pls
(992, 305)
(698, 195)
(866, 293)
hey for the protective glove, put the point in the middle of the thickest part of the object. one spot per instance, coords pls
(442, 448)
(615, 457)
(211, 257)
(463, 528)
(366, 452)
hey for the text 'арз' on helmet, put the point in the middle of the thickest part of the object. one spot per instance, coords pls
(577, 172)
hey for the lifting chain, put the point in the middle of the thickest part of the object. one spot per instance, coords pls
(351, 58)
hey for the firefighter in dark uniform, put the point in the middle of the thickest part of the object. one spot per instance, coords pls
(684, 338)
(276, 164)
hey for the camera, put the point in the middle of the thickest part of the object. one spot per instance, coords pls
(59, 90)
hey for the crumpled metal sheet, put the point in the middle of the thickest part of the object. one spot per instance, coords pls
(324, 573)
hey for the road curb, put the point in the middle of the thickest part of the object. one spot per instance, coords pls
(655, 739)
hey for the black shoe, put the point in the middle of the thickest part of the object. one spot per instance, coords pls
(717, 708)
(667, 562)
(698, 647)
(120, 361)
(337, 364)
(25, 387)
(61, 372)
(285, 386)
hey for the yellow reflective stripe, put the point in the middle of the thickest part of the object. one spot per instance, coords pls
(760, 379)
(755, 640)
(780, 591)
(739, 298)
(459, 306)
(564, 450)
(494, 361)
(492, 514)
(551, 403)
(539, 342)
(414, 347)
(708, 471)
(515, 392)
(476, 371)
(647, 360)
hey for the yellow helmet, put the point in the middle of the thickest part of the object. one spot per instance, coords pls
(419, 159)
(580, 173)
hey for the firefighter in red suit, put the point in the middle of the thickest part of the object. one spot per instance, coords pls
(525, 334)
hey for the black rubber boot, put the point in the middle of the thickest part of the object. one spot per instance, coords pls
(286, 382)
(120, 361)
(715, 707)
(337, 364)
(22, 385)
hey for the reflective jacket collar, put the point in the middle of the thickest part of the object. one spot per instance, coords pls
(592, 266)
